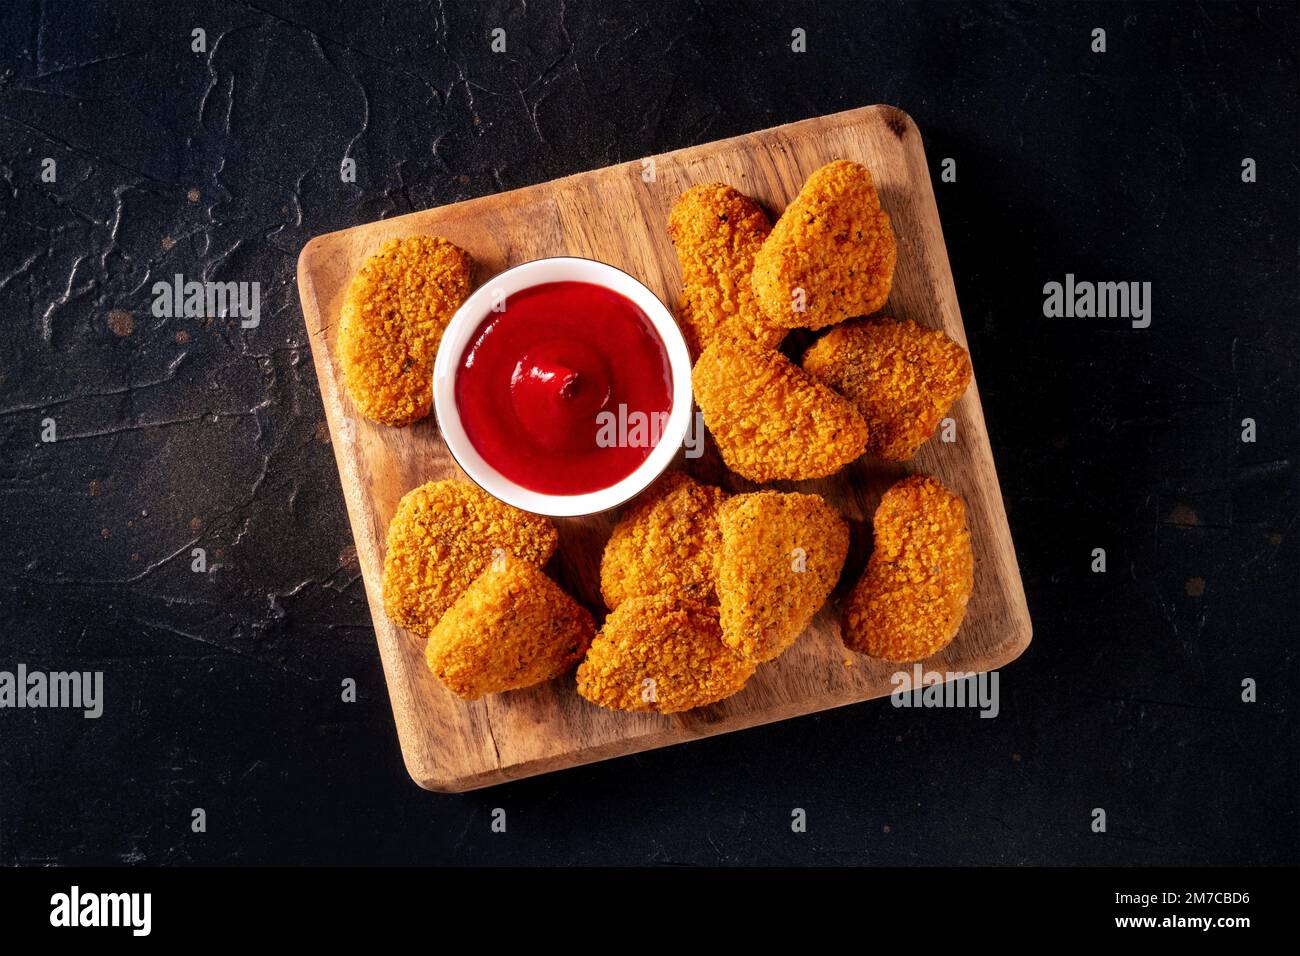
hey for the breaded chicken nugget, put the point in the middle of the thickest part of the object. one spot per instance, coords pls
(781, 556)
(903, 379)
(716, 231)
(668, 541)
(772, 420)
(513, 627)
(912, 598)
(661, 653)
(836, 244)
(392, 320)
(444, 534)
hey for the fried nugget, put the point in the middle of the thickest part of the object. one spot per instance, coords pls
(393, 317)
(903, 379)
(834, 243)
(771, 420)
(668, 541)
(513, 627)
(716, 231)
(661, 653)
(781, 556)
(443, 536)
(912, 598)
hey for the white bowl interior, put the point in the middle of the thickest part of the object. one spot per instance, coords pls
(462, 328)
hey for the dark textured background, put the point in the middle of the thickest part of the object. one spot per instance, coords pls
(223, 689)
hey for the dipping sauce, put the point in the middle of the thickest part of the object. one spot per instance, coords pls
(567, 390)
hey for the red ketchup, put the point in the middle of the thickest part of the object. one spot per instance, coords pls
(567, 390)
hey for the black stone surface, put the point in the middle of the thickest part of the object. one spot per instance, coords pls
(223, 689)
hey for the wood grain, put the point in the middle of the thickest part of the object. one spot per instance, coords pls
(614, 215)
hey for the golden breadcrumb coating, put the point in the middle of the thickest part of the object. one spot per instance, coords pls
(392, 320)
(912, 598)
(717, 231)
(781, 557)
(903, 379)
(513, 627)
(772, 421)
(661, 653)
(443, 536)
(668, 541)
(835, 243)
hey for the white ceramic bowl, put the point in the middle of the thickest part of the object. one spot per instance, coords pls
(465, 323)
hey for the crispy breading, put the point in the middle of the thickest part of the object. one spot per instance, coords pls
(836, 244)
(443, 536)
(781, 557)
(662, 653)
(668, 541)
(910, 602)
(903, 379)
(393, 317)
(513, 627)
(717, 231)
(772, 420)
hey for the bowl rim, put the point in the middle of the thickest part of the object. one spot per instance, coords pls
(466, 320)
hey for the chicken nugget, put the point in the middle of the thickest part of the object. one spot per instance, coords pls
(781, 556)
(771, 419)
(443, 536)
(393, 317)
(716, 231)
(668, 541)
(910, 602)
(834, 243)
(662, 653)
(903, 379)
(513, 627)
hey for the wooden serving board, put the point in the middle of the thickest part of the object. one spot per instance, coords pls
(615, 215)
